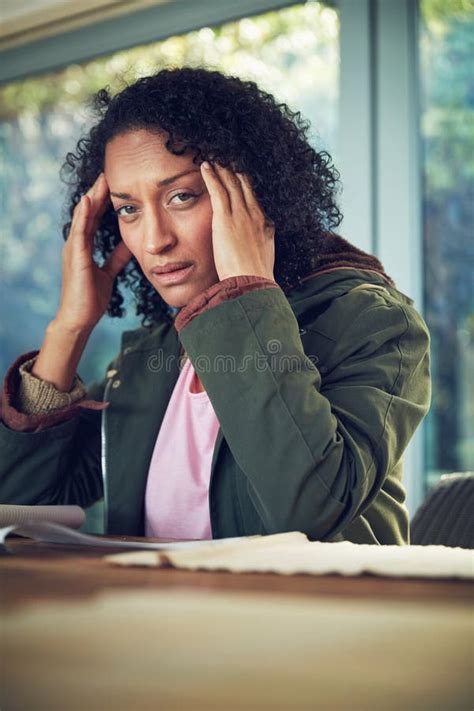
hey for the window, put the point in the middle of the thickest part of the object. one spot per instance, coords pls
(447, 123)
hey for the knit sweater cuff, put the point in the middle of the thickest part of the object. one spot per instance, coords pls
(35, 396)
(13, 417)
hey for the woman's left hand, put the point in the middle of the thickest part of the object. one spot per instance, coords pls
(242, 238)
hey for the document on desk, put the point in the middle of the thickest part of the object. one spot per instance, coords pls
(49, 532)
(292, 553)
(283, 553)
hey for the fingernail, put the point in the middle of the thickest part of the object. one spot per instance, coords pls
(205, 165)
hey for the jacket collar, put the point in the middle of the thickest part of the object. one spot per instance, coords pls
(334, 252)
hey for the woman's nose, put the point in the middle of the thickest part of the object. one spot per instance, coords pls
(159, 233)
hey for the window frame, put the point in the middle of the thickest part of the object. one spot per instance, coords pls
(381, 170)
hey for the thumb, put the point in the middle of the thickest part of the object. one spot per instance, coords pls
(119, 258)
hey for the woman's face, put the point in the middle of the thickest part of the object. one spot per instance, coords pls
(164, 214)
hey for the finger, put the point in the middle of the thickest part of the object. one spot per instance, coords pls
(249, 195)
(80, 218)
(219, 196)
(253, 204)
(98, 194)
(99, 187)
(234, 188)
(116, 261)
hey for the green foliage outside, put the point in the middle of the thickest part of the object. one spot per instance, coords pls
(447, 132)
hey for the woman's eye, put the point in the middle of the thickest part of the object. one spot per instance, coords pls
(183, 197)
(125, 210)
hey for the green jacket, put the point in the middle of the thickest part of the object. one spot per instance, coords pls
(317, 396)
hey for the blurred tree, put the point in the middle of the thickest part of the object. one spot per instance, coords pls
(447, 127)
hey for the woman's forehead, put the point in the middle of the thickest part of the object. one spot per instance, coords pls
(145, 148)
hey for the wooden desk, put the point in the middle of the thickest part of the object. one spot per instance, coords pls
(81, 634)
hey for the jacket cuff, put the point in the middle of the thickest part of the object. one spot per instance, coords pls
(12, 416)
(229, 288)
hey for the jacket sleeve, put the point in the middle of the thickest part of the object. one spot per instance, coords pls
(51, 458)
(316, 443)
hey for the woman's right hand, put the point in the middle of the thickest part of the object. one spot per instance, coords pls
(87, 288)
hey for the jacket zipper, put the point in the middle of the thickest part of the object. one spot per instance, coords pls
(103, 455)
(215, 455)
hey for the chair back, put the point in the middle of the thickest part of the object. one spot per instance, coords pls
(446, 516)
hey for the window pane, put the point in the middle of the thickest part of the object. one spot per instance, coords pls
(293, 53)
(446, 52)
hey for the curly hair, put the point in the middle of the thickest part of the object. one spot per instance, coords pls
(232, 122)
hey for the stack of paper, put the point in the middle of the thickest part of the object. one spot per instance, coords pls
(291, 553)
(283, 553)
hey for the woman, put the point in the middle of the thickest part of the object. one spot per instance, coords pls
(305, 371)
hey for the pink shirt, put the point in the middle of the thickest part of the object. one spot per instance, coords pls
(177, 491)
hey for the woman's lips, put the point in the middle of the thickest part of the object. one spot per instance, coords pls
(175, 277)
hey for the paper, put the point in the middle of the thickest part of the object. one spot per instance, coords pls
(11, 515)
(292, 553)
(283, 553)
(55, 533)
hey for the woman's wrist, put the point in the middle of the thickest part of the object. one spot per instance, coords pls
(60, 354)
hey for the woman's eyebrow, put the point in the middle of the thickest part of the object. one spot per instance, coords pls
(161, 183)
(168, 181)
